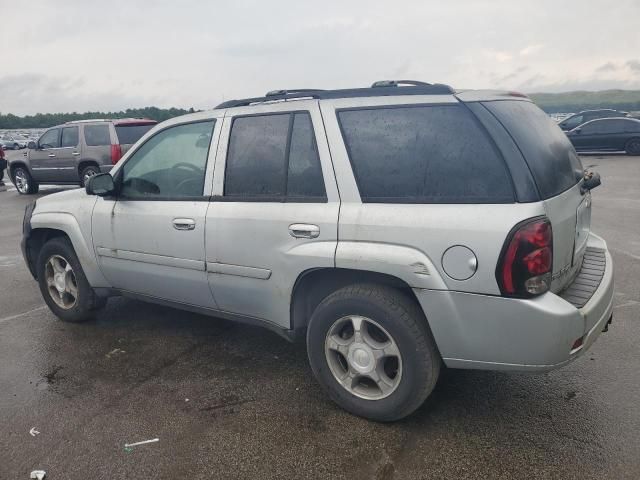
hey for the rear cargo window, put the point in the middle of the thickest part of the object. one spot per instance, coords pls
(129, 134)
(423, 154)
(97, 135)
(551, 158)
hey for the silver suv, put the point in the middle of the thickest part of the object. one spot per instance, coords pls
(401, 228)
(73, 152)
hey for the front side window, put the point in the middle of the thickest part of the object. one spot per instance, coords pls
(50, 139)
(170, 164)
(274, 158)
(97, 135)
(69, 137)
(423, 154)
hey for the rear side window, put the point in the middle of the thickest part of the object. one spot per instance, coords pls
(129, 134)
(70, 137)
(273, 158)
(97, 135)
(551, 158)
(423, 154)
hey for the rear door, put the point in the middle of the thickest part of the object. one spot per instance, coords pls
(68, 154)
(557, 171)
(275, 208)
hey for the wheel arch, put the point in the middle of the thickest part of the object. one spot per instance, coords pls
(313, 285)
(67, 225)
(87, 163)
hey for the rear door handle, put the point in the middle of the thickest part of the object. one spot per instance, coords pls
(184, 223)
(52, 154)
(304, 230)
(75, 153)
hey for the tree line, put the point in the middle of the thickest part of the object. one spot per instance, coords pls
(46, 120)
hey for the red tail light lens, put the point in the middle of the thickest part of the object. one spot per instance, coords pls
(116, 153)
(525, 266)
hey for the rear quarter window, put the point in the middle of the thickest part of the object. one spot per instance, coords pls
(129, 134)
(423, 154)
(548, 152)
(97, 135)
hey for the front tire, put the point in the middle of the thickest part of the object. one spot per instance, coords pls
(24, 182)
(633, 146)
(371, 349)
(63, 284)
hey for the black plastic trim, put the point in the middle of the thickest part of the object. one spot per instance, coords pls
(386, 91)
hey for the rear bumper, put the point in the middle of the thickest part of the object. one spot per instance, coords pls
(498, 333)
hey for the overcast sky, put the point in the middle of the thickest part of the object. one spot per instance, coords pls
(65, 55)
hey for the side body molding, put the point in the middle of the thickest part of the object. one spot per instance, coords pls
(406, 263)
(67, 223)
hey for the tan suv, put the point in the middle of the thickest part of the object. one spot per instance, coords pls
(70, 154)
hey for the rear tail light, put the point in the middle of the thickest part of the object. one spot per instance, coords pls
(116, 153)
(526, 262)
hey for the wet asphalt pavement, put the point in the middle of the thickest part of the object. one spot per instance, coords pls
(233, 401)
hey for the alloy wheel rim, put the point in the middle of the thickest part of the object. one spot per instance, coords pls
(88, 175)
(61, 282)
(22, 183)
(363, 357)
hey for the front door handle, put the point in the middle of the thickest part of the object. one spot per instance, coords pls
(52, 154)
(184, 223)
(304, 230)
(75, 154)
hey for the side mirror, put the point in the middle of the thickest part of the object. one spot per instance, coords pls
(591, 181)
(101, 185)
(32, 145)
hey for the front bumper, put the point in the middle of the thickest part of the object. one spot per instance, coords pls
(499, 333)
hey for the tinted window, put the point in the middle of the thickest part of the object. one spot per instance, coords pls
(70, 137)
(595, 128)
(573, 122)
(50, 139)
(128, 134)
(631, 126)
(426, 154)
(170, 164)
(97, 135)
(305, 173)
(551, 158)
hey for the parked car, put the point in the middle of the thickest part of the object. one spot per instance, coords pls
(75, 151)
(607, 134)
(397, 228)
(3, 165)
(573, 121)
(12, 142)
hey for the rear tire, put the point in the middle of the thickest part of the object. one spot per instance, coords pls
(633, 146)
(88, 172)
(63, 284)
(387, 370)
(24, 182)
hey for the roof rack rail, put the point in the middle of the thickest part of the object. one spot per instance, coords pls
(397, 83)
(378, 89)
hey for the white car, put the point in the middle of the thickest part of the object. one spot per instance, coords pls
(13, 142)
(397, 228)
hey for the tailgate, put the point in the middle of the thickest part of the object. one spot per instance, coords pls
(570, 216)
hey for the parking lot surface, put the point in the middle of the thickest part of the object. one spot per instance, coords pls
(233, 401)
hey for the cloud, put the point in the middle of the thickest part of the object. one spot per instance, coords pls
(195, 53)
(530, 49)
(607, 67)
